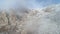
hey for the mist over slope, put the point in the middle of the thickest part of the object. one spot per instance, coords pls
(36, 21)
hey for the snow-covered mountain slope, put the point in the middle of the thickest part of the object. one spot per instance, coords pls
(36, 21)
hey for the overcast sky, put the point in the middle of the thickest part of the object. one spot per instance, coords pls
(6, 4)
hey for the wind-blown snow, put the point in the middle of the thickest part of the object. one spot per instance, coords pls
(45, 21)
(36, 21)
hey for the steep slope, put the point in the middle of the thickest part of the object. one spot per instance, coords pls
(41, 21)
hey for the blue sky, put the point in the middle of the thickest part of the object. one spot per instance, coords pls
(6, 4)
